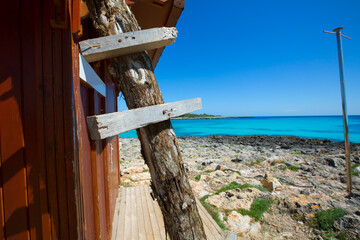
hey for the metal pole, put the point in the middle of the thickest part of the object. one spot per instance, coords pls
(343, 97)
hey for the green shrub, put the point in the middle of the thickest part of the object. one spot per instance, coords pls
(324, 220)
(292, 168)
(197, 178)
(258, 207)
(203, 199)
(235, 185)
(257, 161)
(125, 184)
(353, 170)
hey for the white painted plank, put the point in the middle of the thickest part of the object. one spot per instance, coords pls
(126, 43)
(88, 75)
(111, 124)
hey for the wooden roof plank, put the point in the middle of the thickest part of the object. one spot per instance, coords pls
(111, 124)
(126, 43)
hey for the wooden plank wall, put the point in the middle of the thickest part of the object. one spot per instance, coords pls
(102, 164)
(36, 177)
(54, 182)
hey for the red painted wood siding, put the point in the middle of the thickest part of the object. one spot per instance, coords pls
(55, 183)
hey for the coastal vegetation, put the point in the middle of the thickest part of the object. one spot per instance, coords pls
(235, 185)
(197, 178)
(257, 209)
(292, 168)
(324, 221)
(354, 169)
(258, 206)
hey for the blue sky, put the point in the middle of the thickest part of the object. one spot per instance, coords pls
(263, 58)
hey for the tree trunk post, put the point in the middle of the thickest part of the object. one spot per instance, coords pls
(135, 76)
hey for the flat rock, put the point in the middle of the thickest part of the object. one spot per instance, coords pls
(243, 225)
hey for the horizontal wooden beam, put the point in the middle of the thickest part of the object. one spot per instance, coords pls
(111, 124)
(88, 75)
(131, 42)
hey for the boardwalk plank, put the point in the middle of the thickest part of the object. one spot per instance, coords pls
(210, 235)
(121, 221)
(160, 219)
(127, 221)
(210, 232)
(146, 214)
(140, 217)
(211, 220)
(139, 214)
(154, 222)
(115, 222)
(134, 220)
(208, 221)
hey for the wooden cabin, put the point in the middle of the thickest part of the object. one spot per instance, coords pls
(57, 183)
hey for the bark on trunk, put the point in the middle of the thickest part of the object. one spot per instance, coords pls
(136, 79)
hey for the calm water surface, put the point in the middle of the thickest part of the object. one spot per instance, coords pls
(322, 127)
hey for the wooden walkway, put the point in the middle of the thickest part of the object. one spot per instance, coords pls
(138, 217)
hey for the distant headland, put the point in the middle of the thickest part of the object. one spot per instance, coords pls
(203, 116)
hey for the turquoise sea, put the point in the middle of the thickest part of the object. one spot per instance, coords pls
(321, 127)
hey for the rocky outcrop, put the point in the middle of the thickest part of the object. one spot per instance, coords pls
(302, 178)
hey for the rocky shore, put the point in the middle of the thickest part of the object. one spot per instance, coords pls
(264, 187)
